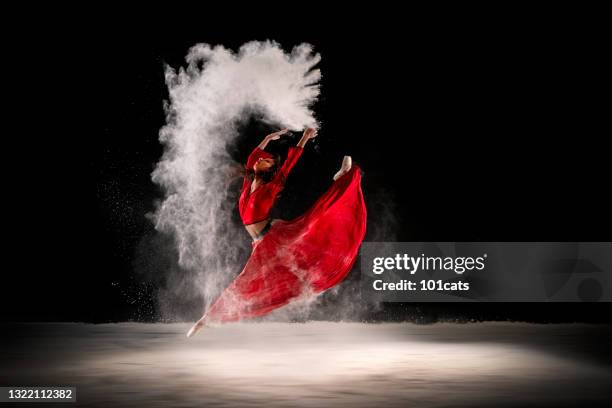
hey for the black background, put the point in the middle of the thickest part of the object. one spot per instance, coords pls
(477, 129)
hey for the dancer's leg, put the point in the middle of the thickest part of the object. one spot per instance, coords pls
(347, 163)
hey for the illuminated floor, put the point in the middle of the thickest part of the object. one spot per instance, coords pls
(314, 364)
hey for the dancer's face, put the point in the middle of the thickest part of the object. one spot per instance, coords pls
(263, 164)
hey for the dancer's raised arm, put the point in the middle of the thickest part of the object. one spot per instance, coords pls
(293, 155)
(309, 133)
(259, 152)
(272, 136)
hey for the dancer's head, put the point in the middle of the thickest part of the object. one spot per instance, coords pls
(266, 167)
(264, 164)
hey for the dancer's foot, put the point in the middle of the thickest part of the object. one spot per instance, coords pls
(196, 328)
(347, 163)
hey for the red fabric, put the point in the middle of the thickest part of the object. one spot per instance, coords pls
(255, 206)
(300, 257)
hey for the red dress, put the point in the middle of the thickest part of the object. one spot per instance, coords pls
(255, 206)
(300, 257)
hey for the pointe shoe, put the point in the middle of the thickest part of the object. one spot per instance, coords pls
(347, 163)
(196, 328)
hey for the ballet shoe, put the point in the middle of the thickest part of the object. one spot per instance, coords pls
(347, 163)
(199, 325)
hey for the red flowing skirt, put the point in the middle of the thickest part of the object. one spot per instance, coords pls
(300, 257)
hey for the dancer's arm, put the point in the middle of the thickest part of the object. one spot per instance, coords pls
(293, 155)
(309, 133)
(259, 149)
(272, 136)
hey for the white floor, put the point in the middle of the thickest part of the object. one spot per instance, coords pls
(313, 364)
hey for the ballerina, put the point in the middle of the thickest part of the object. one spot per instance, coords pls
(291, 258)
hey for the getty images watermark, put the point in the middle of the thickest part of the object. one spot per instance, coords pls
(487, 271)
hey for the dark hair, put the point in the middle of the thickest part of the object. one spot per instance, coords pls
(267, 175)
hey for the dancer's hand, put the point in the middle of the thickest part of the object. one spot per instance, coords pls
(310, 133)
(277, 135)
(272, 136)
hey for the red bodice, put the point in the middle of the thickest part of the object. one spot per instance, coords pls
(255, 206)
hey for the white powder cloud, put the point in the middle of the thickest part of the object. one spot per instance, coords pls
(209, 98)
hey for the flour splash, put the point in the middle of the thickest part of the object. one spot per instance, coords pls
(208, 100)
